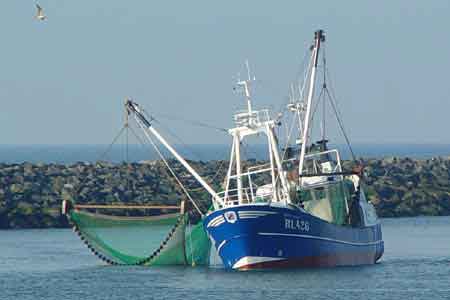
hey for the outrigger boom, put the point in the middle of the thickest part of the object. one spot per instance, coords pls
(134, 108)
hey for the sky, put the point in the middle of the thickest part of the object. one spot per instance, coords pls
(64, 80)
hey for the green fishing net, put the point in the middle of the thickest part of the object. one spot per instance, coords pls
(167, 239)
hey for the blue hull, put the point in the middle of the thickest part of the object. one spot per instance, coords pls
(263, 236)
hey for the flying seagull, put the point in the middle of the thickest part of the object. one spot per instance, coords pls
(40, 13)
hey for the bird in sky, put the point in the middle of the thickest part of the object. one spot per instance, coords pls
(40, 13)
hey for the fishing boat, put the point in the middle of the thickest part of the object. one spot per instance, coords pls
(299, 208)
(311, 213)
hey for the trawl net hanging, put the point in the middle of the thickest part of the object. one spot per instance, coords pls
(128, 235)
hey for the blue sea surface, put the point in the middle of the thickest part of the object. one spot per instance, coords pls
(67, 154)
(54, 264)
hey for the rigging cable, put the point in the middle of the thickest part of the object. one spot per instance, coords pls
(195, 123)
(283, 105)
(222, 162)
(144, 145)
(178, 181)
(332, 98)
(170, 169)
(126, 149)
(301, 88)
(192, 244)
(100, 157)
(320, 98)
(324, 85)
(192, 122)
(341, 125)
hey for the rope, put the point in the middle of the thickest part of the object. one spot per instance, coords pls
(192, 245)
(179, 139)
(320, 97)
(105, 206)
(163, 244)
(333, 102)
(91, 248)
(209, 180)
(138, 138)
(171, 171)
(341, 125)
(143, 144)
(192, 122)
(101, 156)
(301, 90)
(112, 143)
(332, 99)
(283, 105)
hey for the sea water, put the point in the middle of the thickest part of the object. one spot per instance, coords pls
(54, 264)
(68, 154)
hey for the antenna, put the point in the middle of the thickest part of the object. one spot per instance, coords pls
(246, 85)
(248, 69)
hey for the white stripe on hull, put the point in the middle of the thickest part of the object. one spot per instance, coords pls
(251, 260)
(250, 214)
(321, 238)
(216, 221)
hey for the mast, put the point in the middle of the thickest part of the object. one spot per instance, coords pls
(237, 147)
(254, 122)
(246, 85)
(134, 108)
(318, 38)
(237, 136)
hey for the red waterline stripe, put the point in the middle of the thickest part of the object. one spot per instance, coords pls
(347, 259)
